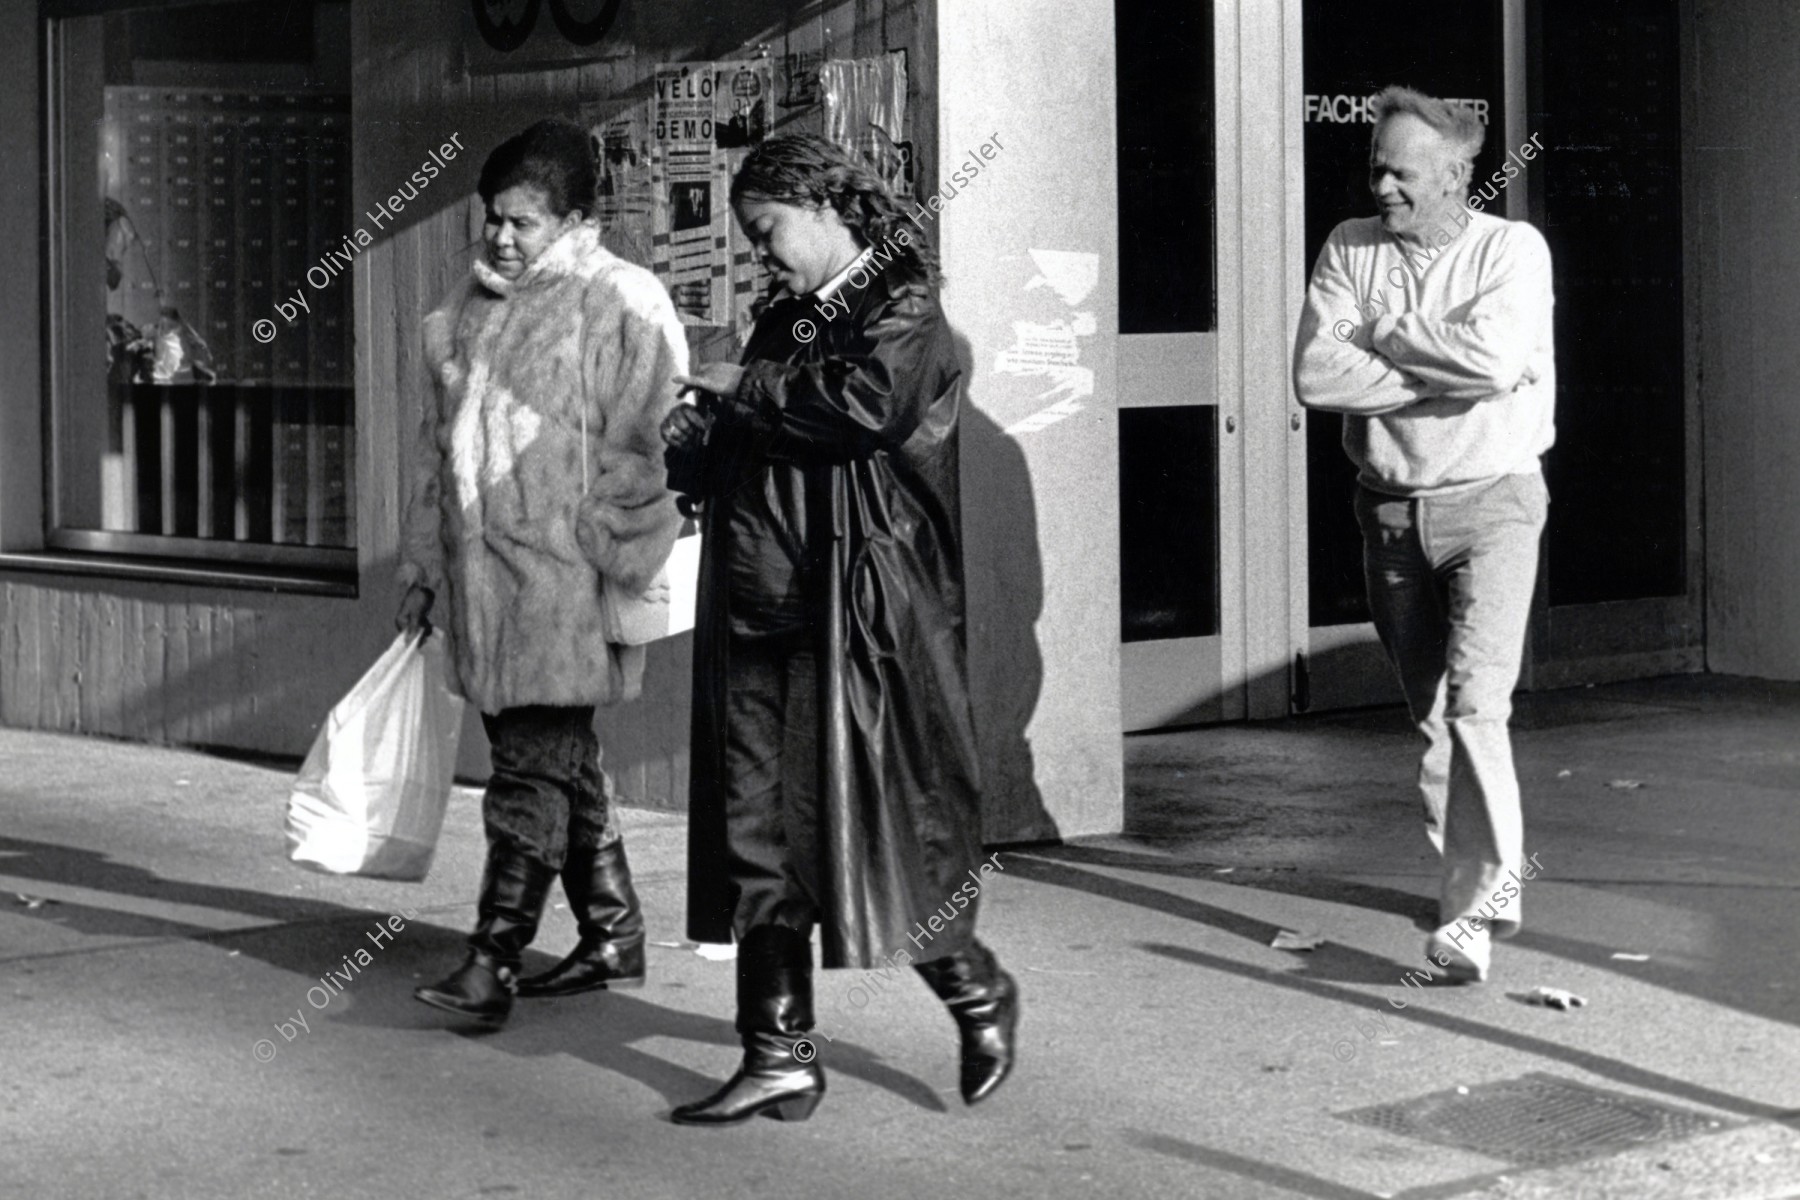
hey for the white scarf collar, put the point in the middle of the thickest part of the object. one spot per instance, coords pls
(838, 280)
(560, 257)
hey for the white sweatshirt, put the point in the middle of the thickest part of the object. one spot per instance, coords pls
(1439, 357)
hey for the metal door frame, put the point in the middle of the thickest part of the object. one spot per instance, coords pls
(1241, 368)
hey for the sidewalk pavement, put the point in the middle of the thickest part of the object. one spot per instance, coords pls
(156, 947)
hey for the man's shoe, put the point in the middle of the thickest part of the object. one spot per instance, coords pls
(610, 953)
(1461, 951)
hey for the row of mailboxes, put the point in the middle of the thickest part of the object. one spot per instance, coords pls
(232, 198)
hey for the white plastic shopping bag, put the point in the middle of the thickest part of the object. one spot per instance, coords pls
(665, 608)
(684, 583)
(370, 797)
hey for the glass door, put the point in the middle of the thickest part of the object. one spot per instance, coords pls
(1598, 87)
(1241, 563)
(1170, 422)
(1212, 443)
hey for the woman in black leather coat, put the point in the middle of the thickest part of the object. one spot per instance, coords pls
(834, 774)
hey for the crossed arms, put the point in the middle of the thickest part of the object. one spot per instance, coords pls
(1363, 359)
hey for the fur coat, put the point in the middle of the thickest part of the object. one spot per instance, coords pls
(538, 471)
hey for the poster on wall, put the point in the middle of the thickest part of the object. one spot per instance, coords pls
(800, 77)
(624, 146)
(747, 103)
(706, 116)
(864, 103)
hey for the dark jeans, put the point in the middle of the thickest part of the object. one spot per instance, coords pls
(547, 794)
(772, 781)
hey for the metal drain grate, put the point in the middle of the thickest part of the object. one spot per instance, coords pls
(1537, 1120)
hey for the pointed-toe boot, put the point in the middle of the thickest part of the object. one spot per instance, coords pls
(984, 1000)
(779, 1077)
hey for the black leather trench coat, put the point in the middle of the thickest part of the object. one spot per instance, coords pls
(864, 417)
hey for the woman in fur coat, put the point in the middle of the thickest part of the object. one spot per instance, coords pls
(538, 480)
(833, 775)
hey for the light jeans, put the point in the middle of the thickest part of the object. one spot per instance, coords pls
(1450, 582)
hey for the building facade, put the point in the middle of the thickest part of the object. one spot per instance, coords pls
(229, 225)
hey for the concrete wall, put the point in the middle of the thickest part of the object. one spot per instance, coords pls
(1744, 247)
(1031, 247)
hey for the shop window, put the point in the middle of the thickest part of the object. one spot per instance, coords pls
(201, 358)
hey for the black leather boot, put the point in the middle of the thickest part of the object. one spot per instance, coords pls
(611, 950)
(985, 1002)
(513, 890)
(779, 1077)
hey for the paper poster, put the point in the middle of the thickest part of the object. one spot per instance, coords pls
(1051, 350)
(751, 99)
(865, 110)
(627, 201)
(801, 71)
(706, 117)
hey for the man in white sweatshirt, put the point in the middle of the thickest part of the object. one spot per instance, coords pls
(1429, 328)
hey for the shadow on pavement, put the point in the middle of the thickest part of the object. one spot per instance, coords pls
(312, 939)
(1343, 967)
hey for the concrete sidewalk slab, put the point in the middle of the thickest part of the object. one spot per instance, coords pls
(161, 1040)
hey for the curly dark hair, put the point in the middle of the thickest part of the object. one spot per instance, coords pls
(554, 155)
(808, 170)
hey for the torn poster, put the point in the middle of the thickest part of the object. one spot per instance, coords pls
(865, 111)
(1051, 350)
(626, 202)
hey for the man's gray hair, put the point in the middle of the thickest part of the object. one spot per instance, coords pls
(1460, 128)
